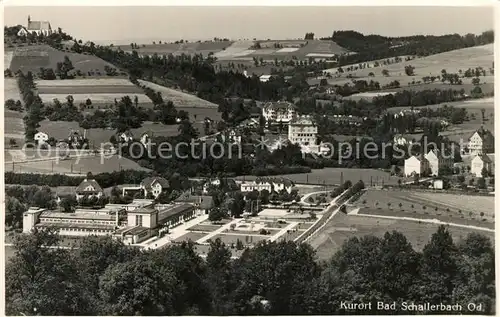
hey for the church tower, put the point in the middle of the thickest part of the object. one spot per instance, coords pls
(29, 20)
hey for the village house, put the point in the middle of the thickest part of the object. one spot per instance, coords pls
(303, 131)
(400, 140)
(126, 136)
(88, 188)
(438, 160)
(41, 137)
(479, 162)
(231, 136)
(481, 142)
(150, 186)
(36, 27)
(269, 184)
(276, 112)
(416, 165)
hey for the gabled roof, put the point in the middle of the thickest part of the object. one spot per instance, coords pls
(276, 180)
(483, 133)
(39, 25)
(149, 181)
(279, 105)
(485, 158)
(89, 182)
(206, 202)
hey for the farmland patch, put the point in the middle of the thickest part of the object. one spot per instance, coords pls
(94, 97)
(180, 99)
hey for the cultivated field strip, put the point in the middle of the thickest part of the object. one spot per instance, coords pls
(180, 99)
(95, 98)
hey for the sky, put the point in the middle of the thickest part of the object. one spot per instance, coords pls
(122, 25)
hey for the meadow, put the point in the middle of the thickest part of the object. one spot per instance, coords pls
(452, 62)
(32, 57)
(343, 227)
(13, 127)
(333, 176)
(426, 203)
(11, 90)
(99, 91)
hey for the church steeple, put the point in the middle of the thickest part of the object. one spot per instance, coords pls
(29, 19)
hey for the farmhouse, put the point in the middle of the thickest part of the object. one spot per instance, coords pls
(437, 160)
(41, 138)
(479, 162)
(303, 131)
(89, 188)
(150, 187)
(36, 27)
(416, 165)
(275, 112)
(481, 142)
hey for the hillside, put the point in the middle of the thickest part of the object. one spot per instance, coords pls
(32, 57)
(246, 50)
(452, 62)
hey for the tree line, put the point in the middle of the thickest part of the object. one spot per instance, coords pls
(104, 277)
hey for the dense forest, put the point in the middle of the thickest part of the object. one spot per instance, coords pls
(105, 277)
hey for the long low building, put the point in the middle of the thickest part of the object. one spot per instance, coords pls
(132, 224)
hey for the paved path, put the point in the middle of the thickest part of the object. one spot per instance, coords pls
(218, 231)
(283, 231)
(174, 233)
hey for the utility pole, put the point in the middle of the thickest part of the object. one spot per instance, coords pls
(341, 178)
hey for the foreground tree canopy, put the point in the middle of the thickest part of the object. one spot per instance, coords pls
(104, 277)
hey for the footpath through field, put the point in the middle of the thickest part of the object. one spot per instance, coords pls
(355, 212)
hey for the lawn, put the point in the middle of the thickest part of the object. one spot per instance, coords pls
(193, 236)
(228, 239)
(31, 58)
(7, 59)
(14, 127)
(179, 98)
(333, 176)
(343, 227)
(466, 204)
(205, 227)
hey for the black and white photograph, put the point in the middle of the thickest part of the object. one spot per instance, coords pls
(248, 160)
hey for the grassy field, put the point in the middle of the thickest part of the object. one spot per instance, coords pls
(343, 227)
(11, 90)
(243, 50)
(31, 58)
(7, 59)
(14, 127)
(179, 98)
(332, 176)
(466, 204)
(75, 166)
(99, 91)
(228, 239)
(203, 48)
(452, 62)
